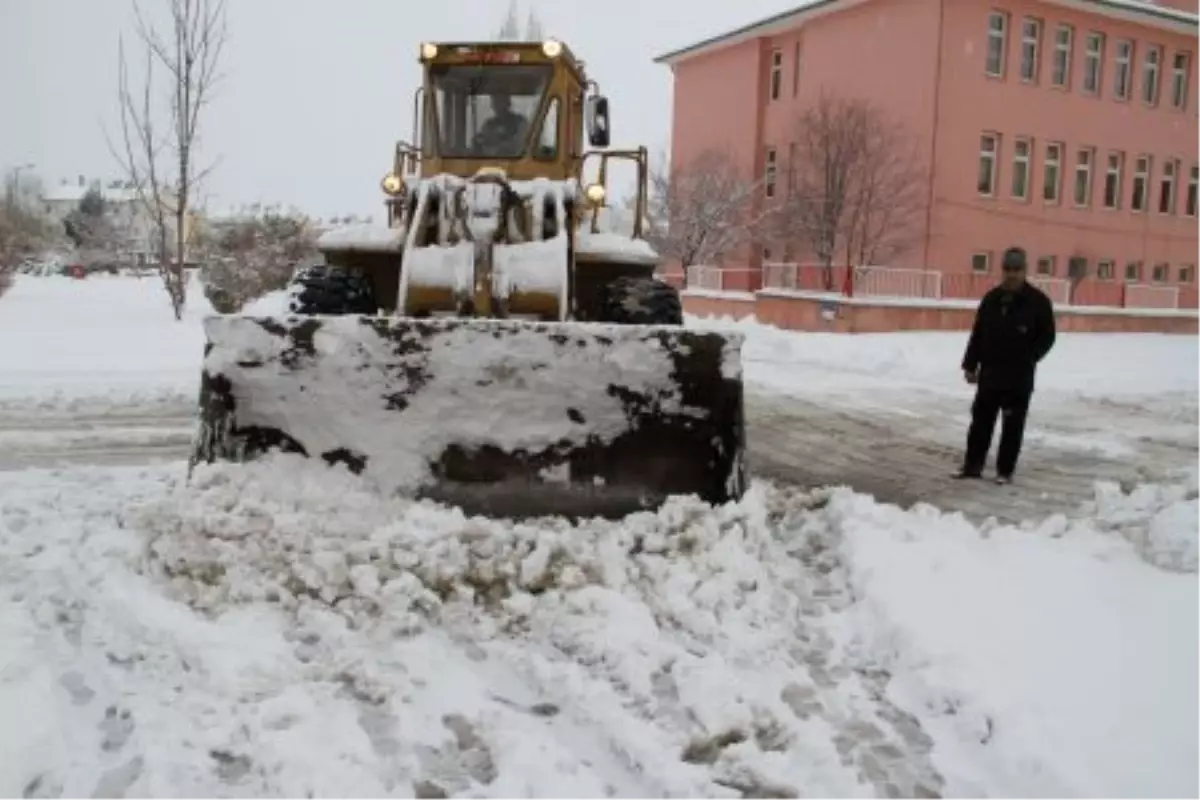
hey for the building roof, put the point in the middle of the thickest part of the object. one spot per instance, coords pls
(1145, 11)
(73, 193)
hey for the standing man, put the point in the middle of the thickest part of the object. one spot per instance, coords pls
(1013, 331)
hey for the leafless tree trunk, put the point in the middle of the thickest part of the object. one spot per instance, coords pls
(704, 209)
(857, 184)
(158, 144)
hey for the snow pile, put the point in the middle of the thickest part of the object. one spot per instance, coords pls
(1160, 521)
(280, 629)
(271, 304)
(363, 237)
(1044, 660)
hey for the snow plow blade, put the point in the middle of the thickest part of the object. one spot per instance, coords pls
(499, 417)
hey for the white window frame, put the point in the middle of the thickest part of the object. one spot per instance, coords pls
(1151, 75)
(1143, 169)
(1170, 178)
(1089, 169)
(996, 36)
(987, 262)
(776, 86)
(1047, 266)
(993, 156)
(1133, 272)
(1057, 163)
(1031, 49)
(1060, 72)
(1123, 69)
(1179, 79)
(770, 172)
(1187, 273)
(1113, 174)
(1021, 165)
(1106, 269)
(1193, 188)
(1160, 272)
(1093, 62)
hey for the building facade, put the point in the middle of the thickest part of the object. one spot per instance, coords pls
(1068, 127)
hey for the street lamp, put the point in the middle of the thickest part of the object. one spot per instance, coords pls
(14, 191)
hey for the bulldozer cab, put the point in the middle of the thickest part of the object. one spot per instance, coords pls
(521, 107)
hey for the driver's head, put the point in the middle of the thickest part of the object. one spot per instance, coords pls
(501, 104)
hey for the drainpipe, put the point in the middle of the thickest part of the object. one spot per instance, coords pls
(933, 139)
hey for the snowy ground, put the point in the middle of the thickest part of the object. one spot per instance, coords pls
(276, 629)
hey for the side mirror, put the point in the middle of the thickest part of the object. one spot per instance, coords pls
(599, 133)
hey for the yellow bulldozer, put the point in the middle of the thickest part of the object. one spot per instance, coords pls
(502, 343)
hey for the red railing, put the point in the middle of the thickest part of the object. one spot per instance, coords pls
(871, 281)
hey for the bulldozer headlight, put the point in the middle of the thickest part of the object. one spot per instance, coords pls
(551, 48)
(429, 51)
(391, 184)
(595, 194)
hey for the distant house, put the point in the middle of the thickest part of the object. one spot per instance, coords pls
(123, 207)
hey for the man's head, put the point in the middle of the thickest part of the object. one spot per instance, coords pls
(501, 104)
(1014, 265)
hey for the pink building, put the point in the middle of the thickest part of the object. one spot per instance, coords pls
(1068, 127)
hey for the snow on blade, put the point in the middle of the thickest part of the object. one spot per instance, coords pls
(398, 399)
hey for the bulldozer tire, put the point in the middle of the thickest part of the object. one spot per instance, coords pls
(642, 301)
(327, 290)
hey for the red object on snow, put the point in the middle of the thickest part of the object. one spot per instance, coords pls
(77, 271)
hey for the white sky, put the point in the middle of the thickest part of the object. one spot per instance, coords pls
(317, 91)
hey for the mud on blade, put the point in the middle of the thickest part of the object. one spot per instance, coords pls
(500, 417)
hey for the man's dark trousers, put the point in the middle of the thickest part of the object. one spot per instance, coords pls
(992, 401)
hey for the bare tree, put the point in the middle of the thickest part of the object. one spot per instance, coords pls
(855, 186)
(159, 139)
(704, 209)
(24, 230)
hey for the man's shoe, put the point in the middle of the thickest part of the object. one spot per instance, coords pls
(968, 474)
(1003, 480)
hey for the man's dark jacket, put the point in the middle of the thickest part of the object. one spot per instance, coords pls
(1013, 331)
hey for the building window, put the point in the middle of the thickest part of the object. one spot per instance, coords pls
(1052, 173)
(1187, 273)
(1064, 35)
(1031, 45)
(1166, 188)
(1150, 70)
(981, 262)
(1161, 273)
(1193, 181)
(989, 149)
(796, 71)
(1083, 176)
(1112, 180)
(1123, 74)
(1093, 57)
(997, 42)
(1105, 270)
(1179, 80)
(1022, 148)
(1077, 268)
(776, 73)
(769, 173)
(1140, 200)
(1133, 272)
(1045, 266)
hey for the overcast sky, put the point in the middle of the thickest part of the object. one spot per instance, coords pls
(317, 91)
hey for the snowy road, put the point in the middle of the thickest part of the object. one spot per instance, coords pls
(901, 452)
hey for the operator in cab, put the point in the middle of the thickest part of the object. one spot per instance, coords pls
(503, 134)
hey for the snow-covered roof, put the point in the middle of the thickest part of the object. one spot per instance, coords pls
(1143, 11)
(73, 193)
